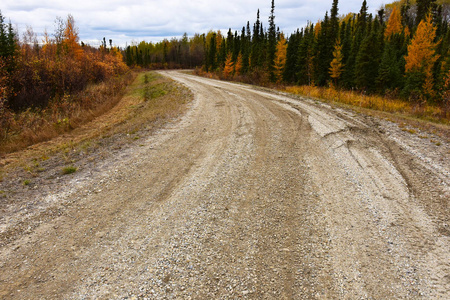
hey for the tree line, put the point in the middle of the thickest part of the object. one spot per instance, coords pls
(184, 53)
(402, 51)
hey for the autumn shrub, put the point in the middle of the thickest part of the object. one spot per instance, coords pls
(53, 88)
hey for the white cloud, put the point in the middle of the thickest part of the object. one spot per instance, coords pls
(124, 21)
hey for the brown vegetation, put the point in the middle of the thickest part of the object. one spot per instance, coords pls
(394, 105)
(50, 89)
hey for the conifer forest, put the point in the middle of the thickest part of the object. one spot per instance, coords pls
(402, 51)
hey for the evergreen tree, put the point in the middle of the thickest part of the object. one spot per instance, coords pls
(8, 45)
(346, 39)
(423, 8)
(245, 49)
(230, 42)
(212, 53)
(272, 43)
(323, 56)
(236, 45)
(360, 28)
(306, 58)
(392, 66)
(290, 69)
(362, 16)
(367, 62)
(256, 44)
(334, 23)
(222, 53)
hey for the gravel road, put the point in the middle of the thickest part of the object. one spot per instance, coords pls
(251, 194)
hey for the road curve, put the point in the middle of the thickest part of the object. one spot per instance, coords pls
(253, 195)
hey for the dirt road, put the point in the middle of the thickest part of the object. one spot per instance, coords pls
(250, 195)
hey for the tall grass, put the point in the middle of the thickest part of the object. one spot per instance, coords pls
(374, 102)
(63, 114)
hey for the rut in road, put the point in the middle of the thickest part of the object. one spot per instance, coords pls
(252, 194)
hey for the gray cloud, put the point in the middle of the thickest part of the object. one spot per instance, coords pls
(133, 20)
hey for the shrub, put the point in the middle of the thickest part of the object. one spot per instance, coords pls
(69, 170)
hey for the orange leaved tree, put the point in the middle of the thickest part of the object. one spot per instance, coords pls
(228, 69)
(420, 60)
(394, 24)
(238, 65)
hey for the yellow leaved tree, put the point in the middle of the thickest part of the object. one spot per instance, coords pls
(337, 67)
(394, 24)
(280, 58)
(238, 65)
(421, 58)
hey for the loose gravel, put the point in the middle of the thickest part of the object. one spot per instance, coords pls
(251, 195)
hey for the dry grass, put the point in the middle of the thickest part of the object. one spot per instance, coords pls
(374, 102)
(62, 115)
(152, 100)
(132, 112)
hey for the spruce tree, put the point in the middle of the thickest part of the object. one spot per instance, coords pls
(346, 39)
(392, 66)
(230, 42)
(305, 62)
(222, 53)
(334, 23)
(236, 45)
(244, 50)
(8, 45)
(212, 52)
(360, 28)
(272, 43)
(290, 69)
(423, 8)
(323, 55)
(369, 56)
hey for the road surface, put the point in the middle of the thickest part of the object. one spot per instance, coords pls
(252, 195)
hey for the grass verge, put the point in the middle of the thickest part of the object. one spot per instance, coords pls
(147, 103)
(62, 115)
(421, 111)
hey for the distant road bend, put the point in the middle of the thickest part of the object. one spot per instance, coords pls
(252, 194)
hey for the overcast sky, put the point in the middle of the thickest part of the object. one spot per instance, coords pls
(128, 21)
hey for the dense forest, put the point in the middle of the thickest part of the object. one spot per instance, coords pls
(402, 51)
